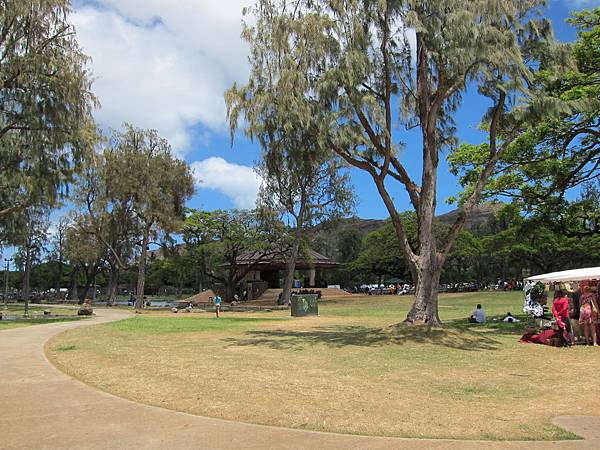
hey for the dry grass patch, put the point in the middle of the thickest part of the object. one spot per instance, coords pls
(346, 371)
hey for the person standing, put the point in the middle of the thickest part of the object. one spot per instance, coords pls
(588, 314)
(217, 305)
(574, 307)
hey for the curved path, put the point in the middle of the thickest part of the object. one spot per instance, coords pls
(41, 407)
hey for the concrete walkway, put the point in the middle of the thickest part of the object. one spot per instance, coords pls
(42, 408)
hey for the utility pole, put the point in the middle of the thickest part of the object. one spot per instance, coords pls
(6, 267)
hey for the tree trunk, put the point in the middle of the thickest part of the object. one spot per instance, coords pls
(59, 277)
(113, 282)
(425, 307)
(139, 300)
(290, 269)
(91, 275)
(74, 288)
(26, 278)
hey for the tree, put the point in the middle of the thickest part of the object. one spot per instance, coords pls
(558, 153)
(45, 104)
(30, 246)
(108, 219)
(379, 256)
(533, 244)
(467, 260)
(87, 253)
(57, 241)
(345, 67)
(301, 182)
(142, 174)
(301, 177)
(219, 238)
(349, 241)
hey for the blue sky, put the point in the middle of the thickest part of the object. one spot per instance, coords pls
(166, 67)
(369, 204)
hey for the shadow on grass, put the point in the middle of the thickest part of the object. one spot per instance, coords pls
(457, 334)
(494, 325)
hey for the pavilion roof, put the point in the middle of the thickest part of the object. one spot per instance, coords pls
(315, 259)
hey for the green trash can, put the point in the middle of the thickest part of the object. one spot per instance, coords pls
(305, 305)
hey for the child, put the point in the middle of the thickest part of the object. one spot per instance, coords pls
(217, 305)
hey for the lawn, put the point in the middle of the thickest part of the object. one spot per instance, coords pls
(17, 310)
(350, 370)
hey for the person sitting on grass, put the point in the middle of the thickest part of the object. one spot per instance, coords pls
(478, 315)
(553, 336)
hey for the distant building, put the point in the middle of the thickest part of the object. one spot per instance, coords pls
(271, 270)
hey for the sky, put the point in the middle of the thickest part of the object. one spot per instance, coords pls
(165, 64)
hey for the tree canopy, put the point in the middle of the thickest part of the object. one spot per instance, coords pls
(357, 74)
(217, 240)
(45, 105)
(561, 151)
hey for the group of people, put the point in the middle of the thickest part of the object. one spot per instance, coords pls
(478, 316)
(216, 301)
(574, 308)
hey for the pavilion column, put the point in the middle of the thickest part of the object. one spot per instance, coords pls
(311, 277)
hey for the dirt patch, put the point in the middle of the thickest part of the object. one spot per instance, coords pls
(202, 297)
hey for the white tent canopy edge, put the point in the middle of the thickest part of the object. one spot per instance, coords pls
(588, 273)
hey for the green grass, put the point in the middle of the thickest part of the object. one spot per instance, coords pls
(9, 324)
(19, 309)
(65, 348)
(164, 325)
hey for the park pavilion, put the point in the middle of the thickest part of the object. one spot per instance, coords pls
(312, 268)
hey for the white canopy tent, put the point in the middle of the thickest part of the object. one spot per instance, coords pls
(588, 273)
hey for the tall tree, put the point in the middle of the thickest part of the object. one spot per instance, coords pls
(110, 220)
(30, 240)
(349, 242)
(346, 67)
(302, 178)
(144, 177)
(302, 182)
(57, 241)
(87, 254)
(45, 104)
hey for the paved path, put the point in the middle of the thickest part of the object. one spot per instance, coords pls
(42, 408)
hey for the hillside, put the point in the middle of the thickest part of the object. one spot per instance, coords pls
(325, 239)
(478, 219)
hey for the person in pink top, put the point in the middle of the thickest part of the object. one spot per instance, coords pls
(588, 314)
(560, 309)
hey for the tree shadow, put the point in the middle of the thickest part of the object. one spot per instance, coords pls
(494, 325)
(456, 335)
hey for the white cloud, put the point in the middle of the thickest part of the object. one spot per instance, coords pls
(238, 182)
(163, 66)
